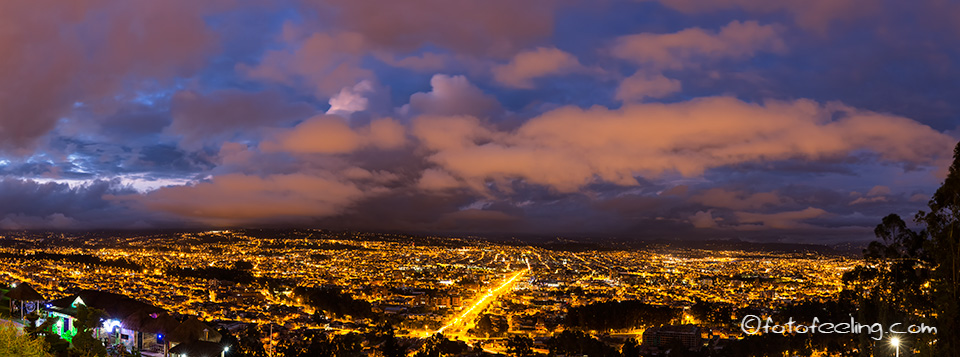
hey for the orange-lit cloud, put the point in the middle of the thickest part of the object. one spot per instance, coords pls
(330, 134)
(568, 148)
(236, 198)
(736, 40)
(779, 220)
(643, 85)
(437, 180)
(323, 62)
(529, 65)
(489, 27)
(703, 219)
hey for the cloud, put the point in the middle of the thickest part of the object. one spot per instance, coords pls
(437, 180)
(876, 194)
(643, 85)
(29, 204)
(570, 147)
(452, 95)
(323, 62)
(351, 99)
(810, 14)
(54, 221)
(874, 199)
(450, 133)
(213, 117)
(57, 55)
(919, 197)
(736, 40)
(330, 134)
(529, 65)
(879, 190)
(779, 220)
(737, 200)
(477, 27)
(239, 198)
(703, 219)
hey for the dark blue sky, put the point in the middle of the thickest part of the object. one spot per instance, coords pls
(656, 119)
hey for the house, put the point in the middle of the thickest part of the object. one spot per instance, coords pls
(128, 322)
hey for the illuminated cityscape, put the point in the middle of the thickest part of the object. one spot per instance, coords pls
(475, 291)
(473, 178)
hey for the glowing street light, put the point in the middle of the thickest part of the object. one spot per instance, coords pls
(896, 344)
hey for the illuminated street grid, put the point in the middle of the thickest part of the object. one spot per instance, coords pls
(432, 286)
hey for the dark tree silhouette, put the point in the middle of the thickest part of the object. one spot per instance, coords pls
(943, 226)
(520, 346)
(630, 349)
(83, 341)
(619, 315)
(913, 277)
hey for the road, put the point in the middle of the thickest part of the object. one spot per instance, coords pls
(458, 326)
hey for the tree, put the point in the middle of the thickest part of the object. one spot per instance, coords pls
(438, 345)
(914, 276)
(577, 343)
(348, 345)
(228, 340)
(243, 265)
(391, 345)
(44, 331)
(249, 342)
(84, 342)
(520, 346)
(943, 227)
(14, 344)
(630, 349)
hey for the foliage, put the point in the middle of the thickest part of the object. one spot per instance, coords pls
(15, 344)
(44, 331)
(714, 314)
(618, 315)
(913, 277)
(492, 325)
(391, 346)
(250, 342)
(84, 342)
(520, 346)
(630, 349)
(943, 227)
(577, 343)
(75, 258)
(119, 350)
(438, 345)
(314, 343)
(334, 301)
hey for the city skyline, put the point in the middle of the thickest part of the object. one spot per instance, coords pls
(799, 121)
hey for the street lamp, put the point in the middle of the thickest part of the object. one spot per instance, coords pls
(896, 344)
(225, 350)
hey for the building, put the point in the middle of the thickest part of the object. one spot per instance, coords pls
(128, 322)
(663, 337)
(23, 300)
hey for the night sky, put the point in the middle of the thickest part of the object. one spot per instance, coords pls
(793, 120)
